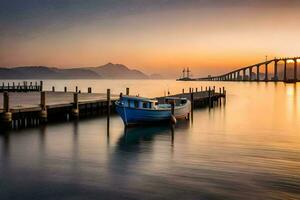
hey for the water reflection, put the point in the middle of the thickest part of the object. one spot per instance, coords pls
(134, 136)
(5, 137)
(246, 150)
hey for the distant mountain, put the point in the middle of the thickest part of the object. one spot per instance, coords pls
(118, 71)
(108, 71)
(42, 72)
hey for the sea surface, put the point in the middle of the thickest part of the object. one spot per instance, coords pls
(247, 148)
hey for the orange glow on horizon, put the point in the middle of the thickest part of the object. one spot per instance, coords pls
(207, 42)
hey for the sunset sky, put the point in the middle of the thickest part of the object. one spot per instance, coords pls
(155, 36)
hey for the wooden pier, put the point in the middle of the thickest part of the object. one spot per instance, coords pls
(22, 87)
(21, 109)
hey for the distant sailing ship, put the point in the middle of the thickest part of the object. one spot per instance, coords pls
(186, 75)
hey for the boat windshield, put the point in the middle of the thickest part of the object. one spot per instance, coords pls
(136, 102)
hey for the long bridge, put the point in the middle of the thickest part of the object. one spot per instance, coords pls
(252, 73)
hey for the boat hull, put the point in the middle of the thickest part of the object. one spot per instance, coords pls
(132, 116)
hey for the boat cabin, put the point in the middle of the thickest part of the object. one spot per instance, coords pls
(138, 102)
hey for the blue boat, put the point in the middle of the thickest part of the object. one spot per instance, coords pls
(140, 110)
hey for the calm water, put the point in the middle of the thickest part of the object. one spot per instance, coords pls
(246, 149)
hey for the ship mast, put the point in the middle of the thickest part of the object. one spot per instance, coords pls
(188, 73)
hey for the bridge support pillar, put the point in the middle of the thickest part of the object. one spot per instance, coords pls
(284, 70)
(244, 74)
(266, 72)
(295, 69)
(250, 73)
(276, 70)
(257, 73)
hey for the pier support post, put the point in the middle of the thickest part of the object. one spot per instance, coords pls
(209, 96)
(127, 91)
(41, 85)
(76, 89)
(65, 89)
(244, 74)
(89, 90)
(75, 109)
(7, 115)
(43, 112)
(108, 102)
(192, 105)
(172, 119)
(108, 106)
(172, 107)
(284, 70)
(295, 69)
(53, 89)
(183, 91)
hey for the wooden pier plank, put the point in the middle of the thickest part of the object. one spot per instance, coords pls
(31, 101)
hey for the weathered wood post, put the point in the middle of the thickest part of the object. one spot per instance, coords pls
(127, 91)
(209, 96)
(53, 89)
(220, 96)
(76, 89)
(224, 93)
(89, 90)
(43, 112)
(108, 107)
(201, 88)
(172, 107)
(192, 105)
(7, 115)
(196, 89)
(41, 85)
(173, 118)
(75, 109)
(182, 90)
(108, 102)
(65, 89)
